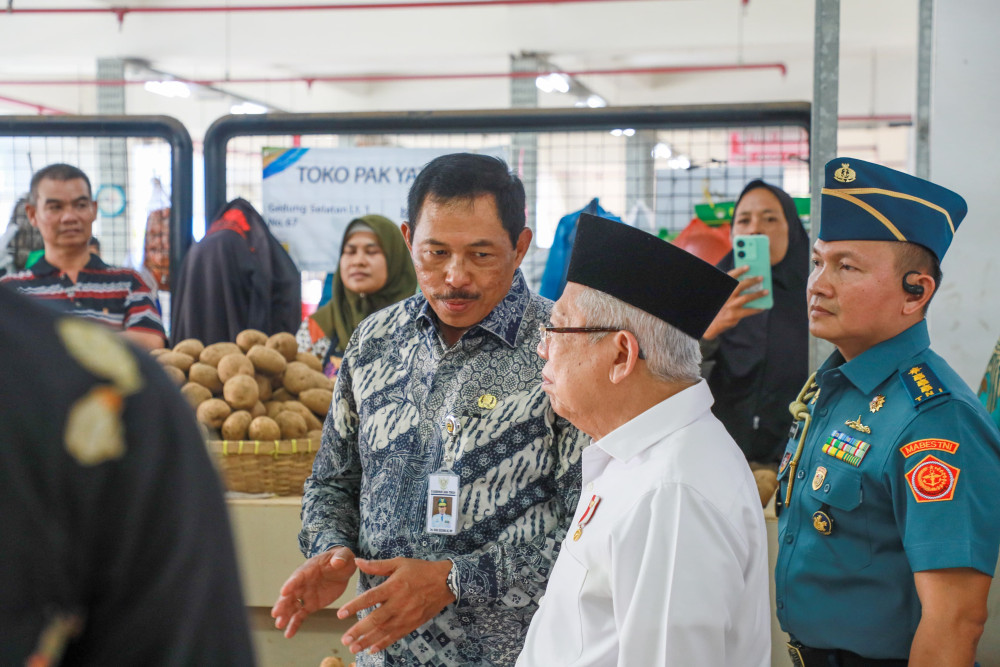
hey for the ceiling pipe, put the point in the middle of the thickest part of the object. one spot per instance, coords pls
(121, 12)
(376, 78)
(40, 109)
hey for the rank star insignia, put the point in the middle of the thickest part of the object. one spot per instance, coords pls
(876, 403)
(857, 425)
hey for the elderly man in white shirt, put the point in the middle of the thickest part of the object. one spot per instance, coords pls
(665, 562)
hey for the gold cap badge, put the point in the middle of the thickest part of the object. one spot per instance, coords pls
(845, 174)
(487, 401)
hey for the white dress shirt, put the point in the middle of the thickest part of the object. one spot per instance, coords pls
(671, 569)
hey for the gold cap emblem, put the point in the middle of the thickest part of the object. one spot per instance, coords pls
(845, 174)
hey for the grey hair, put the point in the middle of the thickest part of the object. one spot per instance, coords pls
(671, 355)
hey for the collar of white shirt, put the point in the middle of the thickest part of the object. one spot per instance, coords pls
(659, 421)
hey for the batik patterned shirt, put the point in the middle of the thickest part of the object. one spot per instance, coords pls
(519, 466)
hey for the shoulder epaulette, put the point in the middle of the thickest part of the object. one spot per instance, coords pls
(922, 384)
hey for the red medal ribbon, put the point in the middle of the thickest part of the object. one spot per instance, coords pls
(595, 500)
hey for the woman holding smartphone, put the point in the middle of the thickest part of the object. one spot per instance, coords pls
(761, 357)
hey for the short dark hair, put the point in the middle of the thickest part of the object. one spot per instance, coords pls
(57, 172)
(915, 257)
(467, 175)
(94, 243)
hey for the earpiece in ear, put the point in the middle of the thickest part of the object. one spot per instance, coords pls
(909, 288)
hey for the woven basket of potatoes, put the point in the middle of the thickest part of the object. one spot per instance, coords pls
(262, 403)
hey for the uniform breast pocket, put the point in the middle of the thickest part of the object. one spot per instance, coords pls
(835, 497)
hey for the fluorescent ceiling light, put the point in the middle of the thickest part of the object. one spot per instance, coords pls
(627, 132)
(679, 162)
(662, 151)
(554, 82)
(168, 88)
(247, 107)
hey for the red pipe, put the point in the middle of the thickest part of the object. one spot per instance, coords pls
(121, 12)
(40, 109)
(372, 78)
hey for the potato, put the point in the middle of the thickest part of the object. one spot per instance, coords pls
(767, 484)
(292, 425)
(195, 393)
(278, 381)
(258, 410)
(299, 377)
(175, 374)
(282, 395)
(191, 346)
(213, 412)
(284, 343)
(250, 337)
(312, 421)
(263, 428)
(315, 435)
(240, 391)
(158, 351)
(266, 361)
(264, 387)
(213, 353)
(273, 408)
(310, 360)
(205, 375)
(176, 359)
(234, 364)
(235, 426)
(317, 400)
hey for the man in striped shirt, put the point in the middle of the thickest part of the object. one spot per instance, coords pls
(68, 277)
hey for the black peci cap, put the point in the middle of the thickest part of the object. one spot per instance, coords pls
(648, 273)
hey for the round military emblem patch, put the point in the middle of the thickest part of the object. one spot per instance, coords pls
(932, 480)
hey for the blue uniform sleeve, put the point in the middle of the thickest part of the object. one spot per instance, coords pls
(331, 511)
(943, 480)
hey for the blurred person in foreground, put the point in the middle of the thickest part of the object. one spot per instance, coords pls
(69, 276)
(439, 396)
(667, 559)
(115, 546)
(375, 271)
(888, 523)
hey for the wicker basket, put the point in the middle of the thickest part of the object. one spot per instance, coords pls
(257, 466)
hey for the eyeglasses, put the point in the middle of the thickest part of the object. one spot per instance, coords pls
(547, 331)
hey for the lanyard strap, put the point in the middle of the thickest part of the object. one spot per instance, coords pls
(800, 412)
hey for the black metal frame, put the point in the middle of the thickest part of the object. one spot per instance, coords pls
(161, 127)
(505, 120)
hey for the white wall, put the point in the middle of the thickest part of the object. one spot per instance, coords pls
(965, 317)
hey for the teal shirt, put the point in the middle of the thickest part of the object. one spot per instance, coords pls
(918, 492)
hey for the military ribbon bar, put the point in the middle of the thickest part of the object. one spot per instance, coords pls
(847, 448)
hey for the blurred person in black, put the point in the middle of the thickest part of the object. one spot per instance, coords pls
(116, 547)
(761, 357)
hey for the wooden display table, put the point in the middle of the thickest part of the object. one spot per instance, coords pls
(266, 535)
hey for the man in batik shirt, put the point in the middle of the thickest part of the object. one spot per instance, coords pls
(439, 396)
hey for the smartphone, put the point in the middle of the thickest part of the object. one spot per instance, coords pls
(755, 251)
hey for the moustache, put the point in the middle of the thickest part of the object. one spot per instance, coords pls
(456, 296)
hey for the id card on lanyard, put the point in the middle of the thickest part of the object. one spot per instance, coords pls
(443, 486)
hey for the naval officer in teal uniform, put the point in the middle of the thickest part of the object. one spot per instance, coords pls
(889, 522)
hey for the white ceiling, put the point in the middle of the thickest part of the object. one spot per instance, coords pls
(878, 53)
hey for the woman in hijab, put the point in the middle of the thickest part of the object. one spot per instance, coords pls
(761, 357)
(375, 271)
